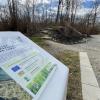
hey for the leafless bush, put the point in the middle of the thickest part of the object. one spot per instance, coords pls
(27, 19)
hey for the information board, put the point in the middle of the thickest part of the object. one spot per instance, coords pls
(25, 63)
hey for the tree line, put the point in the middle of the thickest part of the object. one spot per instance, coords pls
(30, 18)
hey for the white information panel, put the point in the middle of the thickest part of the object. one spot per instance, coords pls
(29, 65)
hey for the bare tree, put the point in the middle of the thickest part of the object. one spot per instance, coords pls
(96, 5)
(30, 18)
(27, 15)
(74, 6)
(12, 5)
(67, 9)
(33, 11)
(58, 11)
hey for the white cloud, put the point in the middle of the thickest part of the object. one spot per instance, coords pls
(38, 1)
(87, 0)
(83, 11)
(99, 11)
(3, 2)
(43, 1)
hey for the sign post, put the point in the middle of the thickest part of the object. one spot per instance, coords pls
(36, 71)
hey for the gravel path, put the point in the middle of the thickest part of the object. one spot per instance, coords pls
(92, 47)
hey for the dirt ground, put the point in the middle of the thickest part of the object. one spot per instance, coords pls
(92, 47)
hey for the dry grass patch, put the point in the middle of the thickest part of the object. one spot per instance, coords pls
(71, 59)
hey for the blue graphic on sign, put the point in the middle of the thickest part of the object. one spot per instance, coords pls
(16, 68)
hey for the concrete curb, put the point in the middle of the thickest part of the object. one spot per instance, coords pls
(90, 87)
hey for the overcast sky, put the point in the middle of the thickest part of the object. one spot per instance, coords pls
(85, 6)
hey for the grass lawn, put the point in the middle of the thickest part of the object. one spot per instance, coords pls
(38, 40)
(70, 59)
